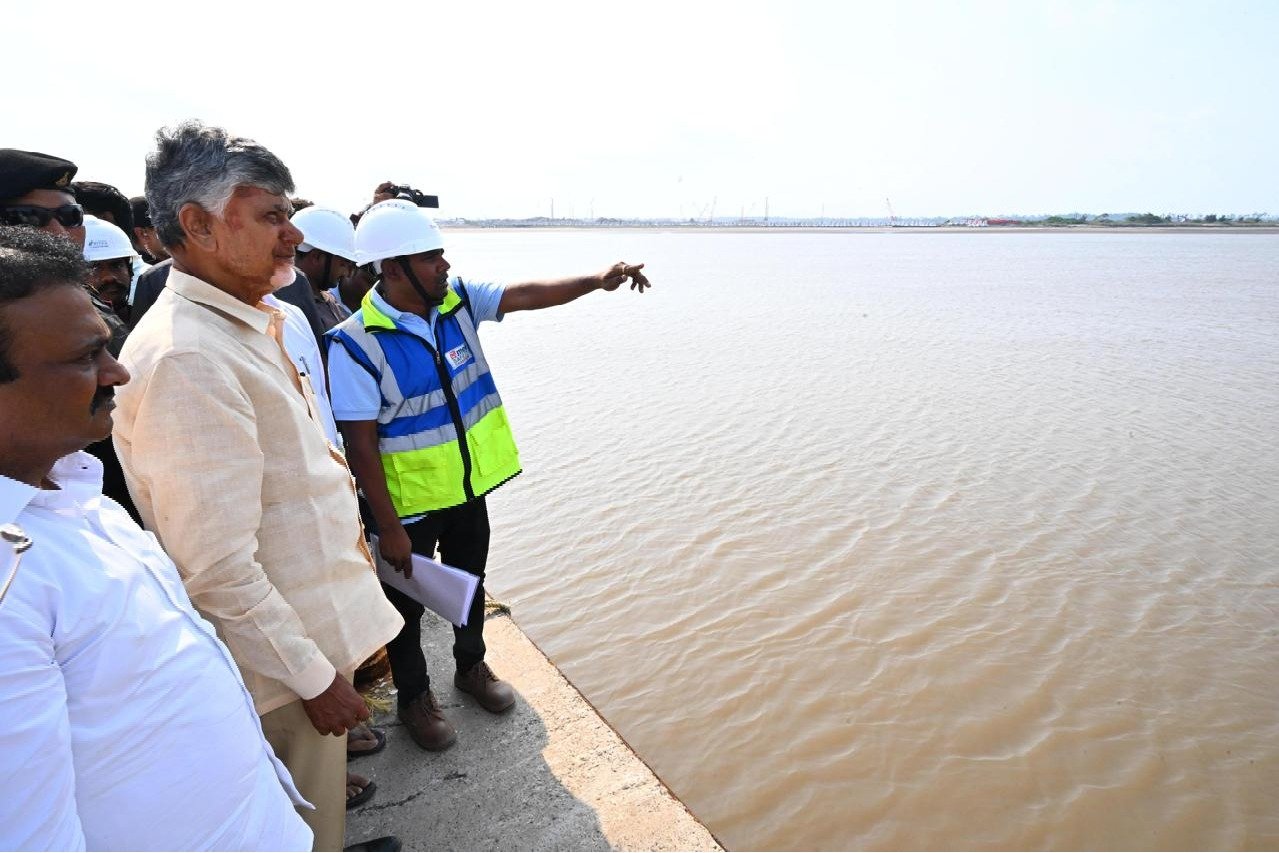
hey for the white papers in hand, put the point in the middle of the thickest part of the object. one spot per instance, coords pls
(443, 589)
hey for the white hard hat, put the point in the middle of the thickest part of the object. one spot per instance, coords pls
(104, 241)
(327, 230)
(391, 229)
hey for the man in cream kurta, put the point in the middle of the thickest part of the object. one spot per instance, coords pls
(220, 443)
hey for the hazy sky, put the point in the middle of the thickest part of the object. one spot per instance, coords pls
(679, 109)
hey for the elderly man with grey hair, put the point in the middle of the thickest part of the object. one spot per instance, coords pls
(221, 445)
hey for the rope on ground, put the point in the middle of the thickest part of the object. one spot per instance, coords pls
(493, 607)
(379, 703)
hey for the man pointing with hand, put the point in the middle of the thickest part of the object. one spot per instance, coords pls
(426, 433)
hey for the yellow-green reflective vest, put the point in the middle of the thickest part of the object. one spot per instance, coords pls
(430, 396)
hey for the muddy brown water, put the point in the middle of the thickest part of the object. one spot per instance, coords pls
(935, 541)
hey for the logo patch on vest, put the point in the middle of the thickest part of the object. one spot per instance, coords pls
(458, 356)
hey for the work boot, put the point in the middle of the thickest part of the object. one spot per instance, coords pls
(494, 696)
(426, 724)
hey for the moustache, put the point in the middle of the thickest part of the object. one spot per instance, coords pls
(101, 398)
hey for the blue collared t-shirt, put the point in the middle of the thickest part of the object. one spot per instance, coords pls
(354, 393)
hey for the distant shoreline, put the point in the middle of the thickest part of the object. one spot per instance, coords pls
(885, 229)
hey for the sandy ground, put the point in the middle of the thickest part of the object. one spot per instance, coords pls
(549, 775)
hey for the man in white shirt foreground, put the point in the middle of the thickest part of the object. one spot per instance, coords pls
(127, 725)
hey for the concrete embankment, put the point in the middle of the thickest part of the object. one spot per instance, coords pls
(549, 775)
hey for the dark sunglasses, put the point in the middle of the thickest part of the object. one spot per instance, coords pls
(68, 215)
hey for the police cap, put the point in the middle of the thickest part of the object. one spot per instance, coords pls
(24, 171)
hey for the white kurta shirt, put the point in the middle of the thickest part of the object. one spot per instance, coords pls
(126, 723)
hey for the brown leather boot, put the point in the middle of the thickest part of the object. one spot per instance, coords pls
(494, 696)
(426, 724)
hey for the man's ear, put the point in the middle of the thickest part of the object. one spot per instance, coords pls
(197, 225)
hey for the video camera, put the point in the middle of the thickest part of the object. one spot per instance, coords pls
(419, 198)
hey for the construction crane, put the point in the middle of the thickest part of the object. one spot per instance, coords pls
(892, 217)
(707, 213)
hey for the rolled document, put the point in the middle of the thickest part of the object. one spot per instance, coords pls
(440, 588)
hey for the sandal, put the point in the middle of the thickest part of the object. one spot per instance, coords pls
(363, 795)
(363, 732)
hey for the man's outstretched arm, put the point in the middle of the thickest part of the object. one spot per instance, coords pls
(532, 295)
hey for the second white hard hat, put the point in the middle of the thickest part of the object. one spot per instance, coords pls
(327, 230)
(391, 229)
(104, 241)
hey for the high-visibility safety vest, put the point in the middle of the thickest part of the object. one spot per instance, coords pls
(431, 395)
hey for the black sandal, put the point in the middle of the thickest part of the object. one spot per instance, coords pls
(363, 797)
(378, 735)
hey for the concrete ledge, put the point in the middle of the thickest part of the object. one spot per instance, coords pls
(550, 774)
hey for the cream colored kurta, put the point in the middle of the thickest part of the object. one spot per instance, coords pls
(232, 472)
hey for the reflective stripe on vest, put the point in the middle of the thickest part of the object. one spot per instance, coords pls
(426, 467)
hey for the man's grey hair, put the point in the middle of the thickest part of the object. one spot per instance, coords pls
(195, 164)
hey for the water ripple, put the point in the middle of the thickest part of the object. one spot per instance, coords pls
(951, 543)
